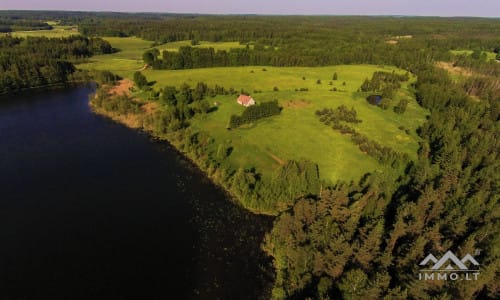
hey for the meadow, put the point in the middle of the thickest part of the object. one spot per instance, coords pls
(124, 62)
(129, 58)
(489, 54)
(57, 32)
(174, 46)
(297, 132)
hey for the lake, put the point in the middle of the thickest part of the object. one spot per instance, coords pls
(90, 209)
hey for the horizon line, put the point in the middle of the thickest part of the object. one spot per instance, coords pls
(251, 14)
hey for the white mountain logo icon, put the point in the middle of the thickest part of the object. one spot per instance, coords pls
(448, 259)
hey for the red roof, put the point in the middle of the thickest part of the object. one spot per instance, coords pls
(244, 99)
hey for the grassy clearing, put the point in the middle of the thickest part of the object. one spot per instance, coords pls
(57, 32)
(174, 46)
(125, 62)
(297, 133)
(129, 58)
(489, 55)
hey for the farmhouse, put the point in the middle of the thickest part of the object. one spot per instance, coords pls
(245, 100)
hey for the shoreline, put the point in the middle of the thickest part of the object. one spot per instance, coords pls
(135, 122)
(47, 87)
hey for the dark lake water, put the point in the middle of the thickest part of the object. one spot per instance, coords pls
(90, 209)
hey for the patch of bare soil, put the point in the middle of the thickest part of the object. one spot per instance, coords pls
(297, 104)
(122, 88)
(150, 108)
(143, 68)
(454, 70)
(276, 158)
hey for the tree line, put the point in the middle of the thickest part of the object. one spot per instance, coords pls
(341, 116)
(39, 61)
(9, 25)
(254, 113)
(384, 83)
(365, 239)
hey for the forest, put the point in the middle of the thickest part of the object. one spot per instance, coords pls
(39, 62)
(348, 239)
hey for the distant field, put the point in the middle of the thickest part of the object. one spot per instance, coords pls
(129, 59)
(174, 46)
(58, 31)
(297, 133)
(489, 55)
(125, 62)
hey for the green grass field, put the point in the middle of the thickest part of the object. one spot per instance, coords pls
(296, 133)
(57, 32)
(129, 59)
(125, 62)
(174, 46)
(489, 55)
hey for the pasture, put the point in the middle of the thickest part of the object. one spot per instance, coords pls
(125, 62)
(57, 32)
(489, 55)
(297, 132)
(174, 46)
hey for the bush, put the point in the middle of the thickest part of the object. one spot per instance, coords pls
(400, 108)
(140, 80)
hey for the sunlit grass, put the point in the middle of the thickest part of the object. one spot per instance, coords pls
(57, 32)
(296, 133)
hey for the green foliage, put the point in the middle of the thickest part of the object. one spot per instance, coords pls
(254, 113)
(121, 104)
(13, 24)
(334, 118)
(353, 284)
(105, 77)
(340, 114)
(140, 80)
(345, 237)
(149, 57)
(400, 108)
(39, 62)
(384, 82)
(384, 104)
(365, 239)
(169, 95)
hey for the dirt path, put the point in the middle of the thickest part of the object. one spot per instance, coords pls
(276, 158)
(143, 68)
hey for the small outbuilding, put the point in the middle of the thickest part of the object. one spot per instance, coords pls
(245, 100)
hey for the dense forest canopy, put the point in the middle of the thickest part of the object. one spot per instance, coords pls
(39, 61)
(305, 41)
(349, 240)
